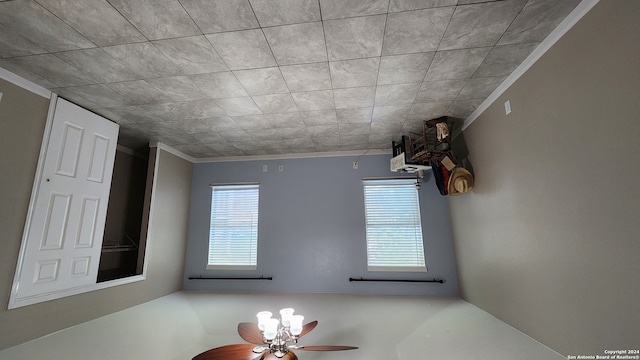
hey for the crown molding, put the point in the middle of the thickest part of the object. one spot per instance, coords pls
(293, 156)
(24, 83)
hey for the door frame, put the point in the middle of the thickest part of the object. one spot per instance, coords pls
(14, 301)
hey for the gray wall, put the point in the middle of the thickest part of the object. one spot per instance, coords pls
(311, 235)
(22, 119)
(549, 239)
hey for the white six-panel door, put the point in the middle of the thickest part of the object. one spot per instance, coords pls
(63, 237)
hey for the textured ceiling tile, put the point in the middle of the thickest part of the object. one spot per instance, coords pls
(297, 44)
(359, 97)
(440, 90)
(35, 23)
(254, 122)
(404, 5)
(243, 49)
(339, 9)
(307, 77)
(354, 115)
(272, 146)
(328, 142)
(52, 68)
(461, 109)
(314, 100)
(26, 72)
(78, 99)
(175, 111)
(354, 129)
(239, 106)
(536, 20)
(144, 59)
(415, 31)
(293, 133)
(283, 12)
(221, 15)
(275, 103)
(262, 81)
(403, 69)
(318, 131)
(219, 85)
(175, 62)
(355, 37)
(264, 135)
(178, 88)
(467, 2)
(97, 20)
(133, 114)
(289, 120)
(227, 126)
(300, 144)
(100, 95)
(157, 19)
(400, 94)
(479, 24)
(456, 64)
(353, 140)
(502, 60)
(392, 112)
(210, 138)
(14, 44)
(387, 127)
(99, 65)
(480, 88)
(321, 117)
(192, 55)
(354, 73)
(429, 110)
(193, 126)
(139, 92)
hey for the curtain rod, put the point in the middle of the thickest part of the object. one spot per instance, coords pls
(441, 281)
(229, 278)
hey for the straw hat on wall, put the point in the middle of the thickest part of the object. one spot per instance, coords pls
(460, 181)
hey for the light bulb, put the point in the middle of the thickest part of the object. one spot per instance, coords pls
(285, 315)
(271, 329)
(263, 316)
(296, 324)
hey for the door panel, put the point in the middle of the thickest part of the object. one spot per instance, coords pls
(63, 241)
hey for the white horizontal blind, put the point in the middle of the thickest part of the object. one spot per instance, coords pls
(393, 227)
(233, 236)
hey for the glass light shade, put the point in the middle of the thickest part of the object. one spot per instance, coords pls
(263, 316)
(296, 324)
(271, 329)
(285, 315)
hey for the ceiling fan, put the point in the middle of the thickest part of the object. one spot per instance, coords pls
(269, 339)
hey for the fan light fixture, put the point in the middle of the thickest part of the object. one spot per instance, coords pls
(278, 333)
(271, 338)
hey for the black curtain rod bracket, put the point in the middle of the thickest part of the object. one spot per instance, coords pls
(229, 278)
(441, 281)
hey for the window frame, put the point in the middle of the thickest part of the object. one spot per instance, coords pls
(251, 258)
(416, 265)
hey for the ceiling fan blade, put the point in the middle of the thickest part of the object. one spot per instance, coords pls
(326, 347)
(250, 333)
(230, 352)
(308, 327)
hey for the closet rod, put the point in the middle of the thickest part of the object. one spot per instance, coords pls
(441, 281)
(229, 278)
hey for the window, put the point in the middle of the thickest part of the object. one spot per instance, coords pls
(393, 227)
(233, 232)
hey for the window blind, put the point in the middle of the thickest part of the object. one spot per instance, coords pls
(233, 236)
(393, 226)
